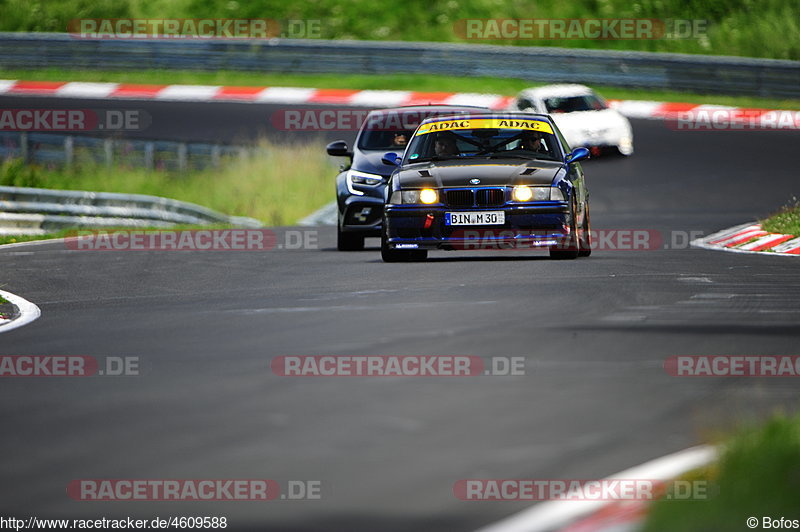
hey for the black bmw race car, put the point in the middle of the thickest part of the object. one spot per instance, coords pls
(360, 187)
(486, 181)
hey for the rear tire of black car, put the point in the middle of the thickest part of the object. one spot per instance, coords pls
(349, 241)
(569, 249)
(586, 242)
(400, 255)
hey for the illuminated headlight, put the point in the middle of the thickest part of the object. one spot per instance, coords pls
(523, 193)
(361, 178)
(426, 196)
(526, 193)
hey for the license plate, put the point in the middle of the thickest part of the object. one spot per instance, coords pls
(475, 218)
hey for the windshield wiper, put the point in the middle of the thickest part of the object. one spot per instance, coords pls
(443, 157)
(507, 155)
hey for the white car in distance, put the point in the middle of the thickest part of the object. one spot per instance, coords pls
(582, 115)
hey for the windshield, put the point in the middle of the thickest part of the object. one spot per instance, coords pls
(390, 130)
(383, 139)
(483, 137)
(587, 102)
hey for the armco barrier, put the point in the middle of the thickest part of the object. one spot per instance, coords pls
(64, 150)
(39, 210)
(699, 73)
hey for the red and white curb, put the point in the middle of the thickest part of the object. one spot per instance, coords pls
(690, 116)
(26, 312)
(750, 238)
(771, 118)
(605, 516)
(218, 93)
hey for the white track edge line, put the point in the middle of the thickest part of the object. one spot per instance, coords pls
(552, 515)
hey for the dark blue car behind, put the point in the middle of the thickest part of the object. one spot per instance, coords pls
(360, 187)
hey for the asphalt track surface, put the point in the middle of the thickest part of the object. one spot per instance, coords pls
(594, 333)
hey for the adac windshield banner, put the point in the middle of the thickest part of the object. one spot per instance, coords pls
(485, 123)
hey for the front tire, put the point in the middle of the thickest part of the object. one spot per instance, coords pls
(400, 255)
(586, 242)
(570, 249)
(348, 241)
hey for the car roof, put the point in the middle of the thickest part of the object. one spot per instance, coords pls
(427, 108)
(521, 116)
(558, 90)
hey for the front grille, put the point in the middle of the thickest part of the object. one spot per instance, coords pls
(490, 196)
(482, 197)
(460, 198)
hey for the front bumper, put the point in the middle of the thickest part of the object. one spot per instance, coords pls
(543, 224)
(361, 214)
(603, 143)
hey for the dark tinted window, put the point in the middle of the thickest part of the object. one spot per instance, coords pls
(574, 103)
(483, 143)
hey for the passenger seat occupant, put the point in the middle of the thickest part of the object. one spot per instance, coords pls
(445, 144)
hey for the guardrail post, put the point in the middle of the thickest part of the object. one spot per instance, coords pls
(69, 151)
(216, 151)
(23, 148)
(149, 155)
(108, 150)
(182, 156)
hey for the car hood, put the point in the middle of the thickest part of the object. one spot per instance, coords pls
(607, 119)
(454, 173)
(370, 162)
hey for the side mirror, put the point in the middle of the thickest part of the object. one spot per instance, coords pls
(391, 159)
(576, 155)
(338, 148)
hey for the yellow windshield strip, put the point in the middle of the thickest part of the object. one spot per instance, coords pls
(485, 123)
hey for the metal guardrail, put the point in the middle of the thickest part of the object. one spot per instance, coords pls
(709, 74)
(65, 150)
(37, 210)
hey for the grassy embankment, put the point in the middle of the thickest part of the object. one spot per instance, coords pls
(766, 28)
(757, 475)
(277, 185)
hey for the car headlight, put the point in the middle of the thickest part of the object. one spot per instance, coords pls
(426, 196)
(363, 179)
(527, 193)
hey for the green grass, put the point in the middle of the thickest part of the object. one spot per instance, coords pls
(64, 233)
(786, 221)
(758, 475)
(14, 239)
(278, 185)
(757, 28)
(416, 82)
